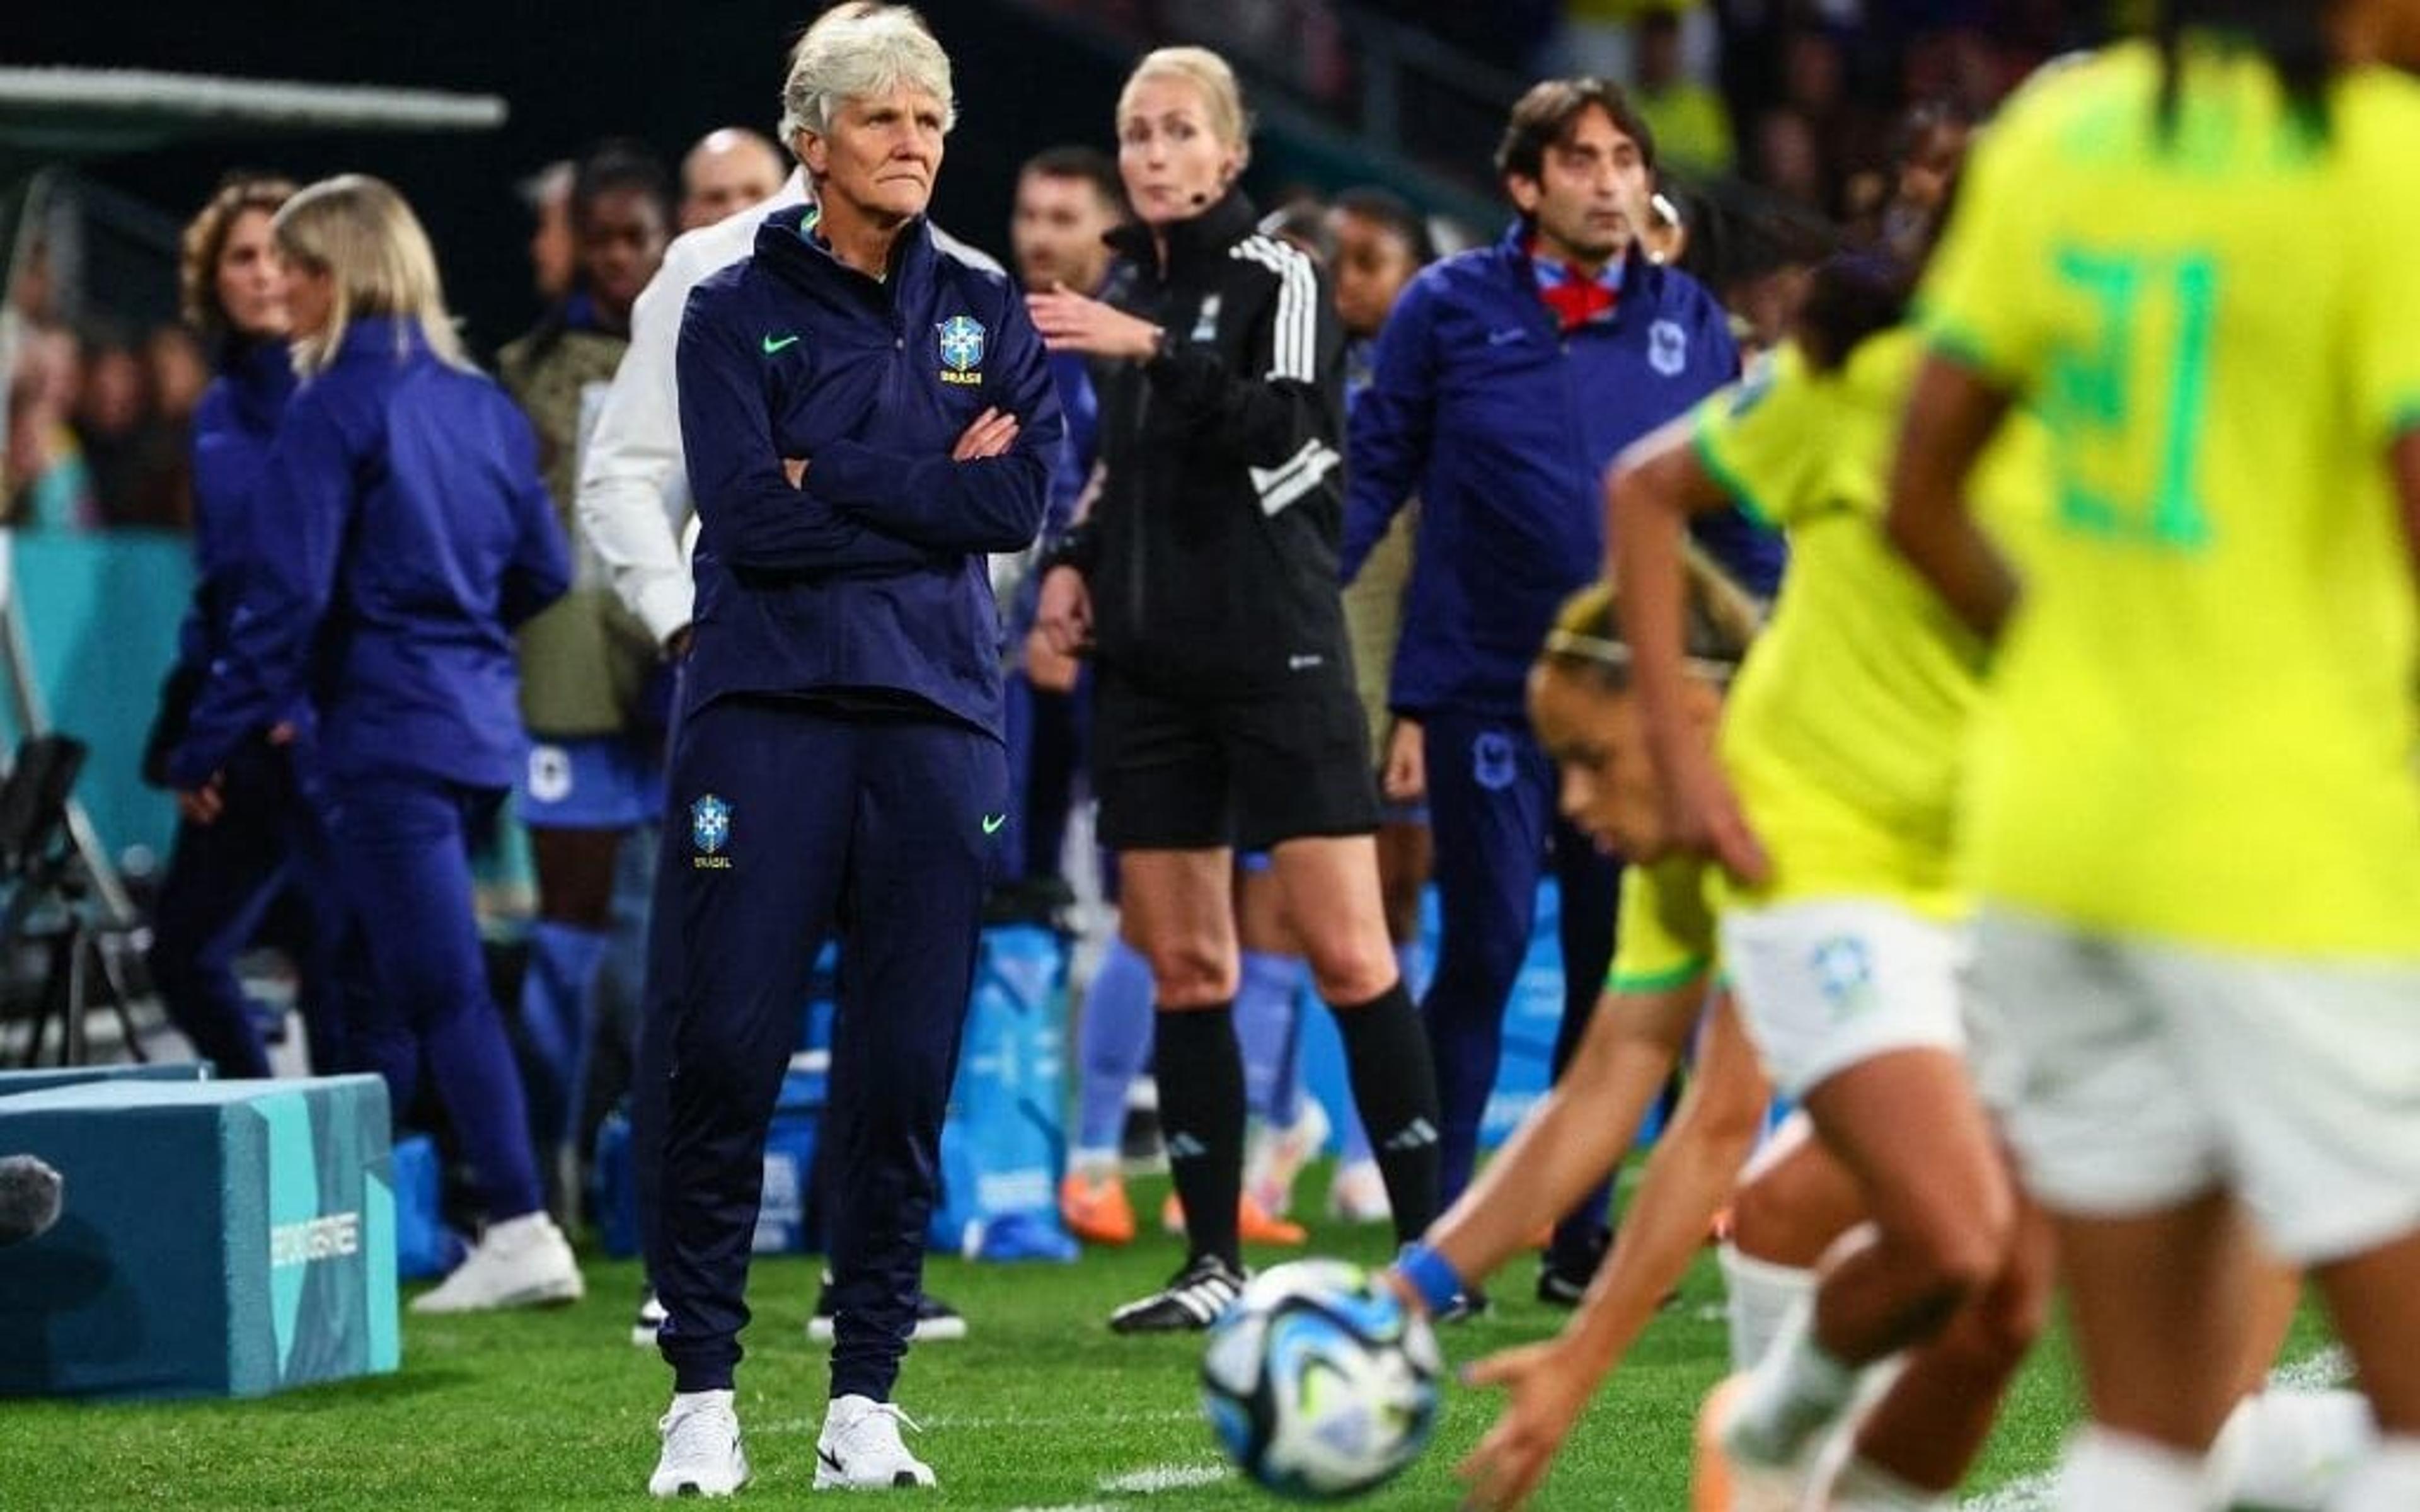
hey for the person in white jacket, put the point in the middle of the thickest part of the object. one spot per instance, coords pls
(633, 508)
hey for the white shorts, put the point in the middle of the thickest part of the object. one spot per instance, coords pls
(1822, 986)
(2132, 1077)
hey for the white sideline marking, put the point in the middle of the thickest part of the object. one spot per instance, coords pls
(2032, 1494)
(1156, 1478)
(995, 1425)
(1087, 1507)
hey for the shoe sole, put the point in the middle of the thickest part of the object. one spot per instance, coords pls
(683, 1489)
(644, 1336)
(927, 1331)
(555, 1295)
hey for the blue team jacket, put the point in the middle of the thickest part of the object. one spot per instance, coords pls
(233, 426)
(871, 578)
(1502, 426)
(398, 532)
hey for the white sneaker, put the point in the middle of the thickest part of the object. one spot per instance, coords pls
(521, 1262)
(1278, 1155)
(1358, 1194)
(860, 1450)
(650, 1321)
(702, 1454)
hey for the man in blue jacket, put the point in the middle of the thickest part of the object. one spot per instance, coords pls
(1506, 379)
(865, 417)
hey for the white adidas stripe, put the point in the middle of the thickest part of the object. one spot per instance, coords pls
(1283, 485)
(1294, 345)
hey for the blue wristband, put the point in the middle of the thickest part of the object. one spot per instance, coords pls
(1432, 1275)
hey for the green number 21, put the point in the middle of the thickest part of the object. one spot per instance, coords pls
(2089, 391)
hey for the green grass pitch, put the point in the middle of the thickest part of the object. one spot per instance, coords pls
(1041, 1408)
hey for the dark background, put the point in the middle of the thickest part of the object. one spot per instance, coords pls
(571, 74)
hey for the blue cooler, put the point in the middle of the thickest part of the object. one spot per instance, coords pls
(44, 1078)
(221, 1238)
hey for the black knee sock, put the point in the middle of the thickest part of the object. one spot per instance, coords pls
(1394, 1086)
(1200, 1076)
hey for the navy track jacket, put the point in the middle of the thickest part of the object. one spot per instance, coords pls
(402, 532)
(234, 426)
(1503, 426)
(869, 578)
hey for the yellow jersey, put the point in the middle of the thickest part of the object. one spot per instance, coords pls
(1844, 734)
(2202, 727)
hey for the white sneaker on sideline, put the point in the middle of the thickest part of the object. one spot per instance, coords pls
(1358, 1195)
(650, 1321)
(521, 1262)
(702, 1454)
(859, 1449)
(1278, 1156)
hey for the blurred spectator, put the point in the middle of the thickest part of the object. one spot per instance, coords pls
(595, 770)
(1788, 160)
(139, 475)
(552, 254)
(51, 487)
(1607, 38)
(1301, 221)
(730, 169)
(179, 371)
(1693, 130)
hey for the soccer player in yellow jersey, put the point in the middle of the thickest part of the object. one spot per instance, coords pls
(2194, 823)
(1831, 811)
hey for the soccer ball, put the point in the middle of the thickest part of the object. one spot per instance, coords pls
(1319, 1383)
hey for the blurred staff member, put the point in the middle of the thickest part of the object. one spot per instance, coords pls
(229, 865)
(866, 417)
(728, 170)
(1505, 381)
(594, 771)
(411, 533)
(1068, 201)
(1381, 244)
(634, 505)
(1224, 713)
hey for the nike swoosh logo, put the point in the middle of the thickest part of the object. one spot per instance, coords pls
(1503, 338)
(993, 822)
(771, 345)
(837, 1468)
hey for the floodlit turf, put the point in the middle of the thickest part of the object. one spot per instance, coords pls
(1040, 1407)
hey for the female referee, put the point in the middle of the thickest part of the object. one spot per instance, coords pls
(1206, 582)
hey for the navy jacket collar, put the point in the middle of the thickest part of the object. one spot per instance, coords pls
(260, 377)
(786, 246)
(1642, 281)
(388, 337)
(1191, 243)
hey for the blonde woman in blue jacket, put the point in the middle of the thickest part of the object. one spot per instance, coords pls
(408, 534)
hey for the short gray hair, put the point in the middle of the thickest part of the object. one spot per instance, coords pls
(856, 53)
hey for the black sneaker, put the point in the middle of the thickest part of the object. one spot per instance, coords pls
(935, 1320)
(1468, 1304)
(1563, 1276)
(1191, 1301)
(650, 1319)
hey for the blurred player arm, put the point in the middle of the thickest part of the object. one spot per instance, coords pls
(1650, 493)
(1952, 417)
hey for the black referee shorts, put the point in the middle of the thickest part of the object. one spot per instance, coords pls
(1181, 771)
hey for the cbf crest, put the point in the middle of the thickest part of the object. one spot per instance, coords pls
(709, 831)
(962, 348)
(1668, 348)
